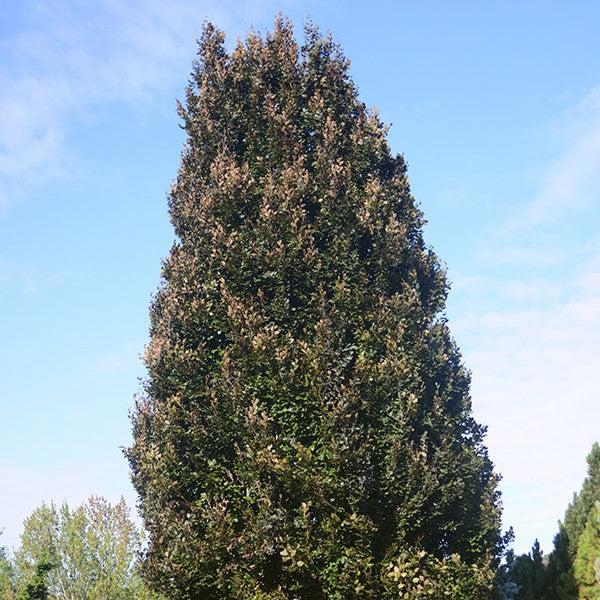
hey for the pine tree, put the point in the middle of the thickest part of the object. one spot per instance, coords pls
(560, 583)
(587, 559)
(583, 502)
(528, 573)
(538, 571)
(305, 430)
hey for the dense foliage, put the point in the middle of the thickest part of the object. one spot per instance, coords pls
(86, 553)
(306, 424)
(572, 570)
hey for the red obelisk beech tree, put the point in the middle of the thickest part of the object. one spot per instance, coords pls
(305, 430)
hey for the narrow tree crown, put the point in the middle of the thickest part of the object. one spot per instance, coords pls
(306, 427)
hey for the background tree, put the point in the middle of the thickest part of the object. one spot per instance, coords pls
(559, 573)
(506, 587)
(528, 573)
(93, 550)
(586, 562)
(538, 571)
(6, 575)
(306, 421)
(571, 570)
(577, 513)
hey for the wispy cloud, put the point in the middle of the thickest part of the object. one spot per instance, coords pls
(20, 279)
(510, 254)
(72, 58)
(127, 358)
(572, 180)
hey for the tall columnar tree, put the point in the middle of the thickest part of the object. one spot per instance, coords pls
(305, 429)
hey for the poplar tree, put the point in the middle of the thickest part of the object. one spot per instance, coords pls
(85, 553)
(305, 429)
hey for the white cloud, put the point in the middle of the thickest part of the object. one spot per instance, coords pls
(536, 384)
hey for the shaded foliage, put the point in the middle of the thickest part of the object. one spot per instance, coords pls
(37, 588)
(528, 572)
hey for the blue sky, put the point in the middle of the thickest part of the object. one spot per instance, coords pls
(496, 106)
